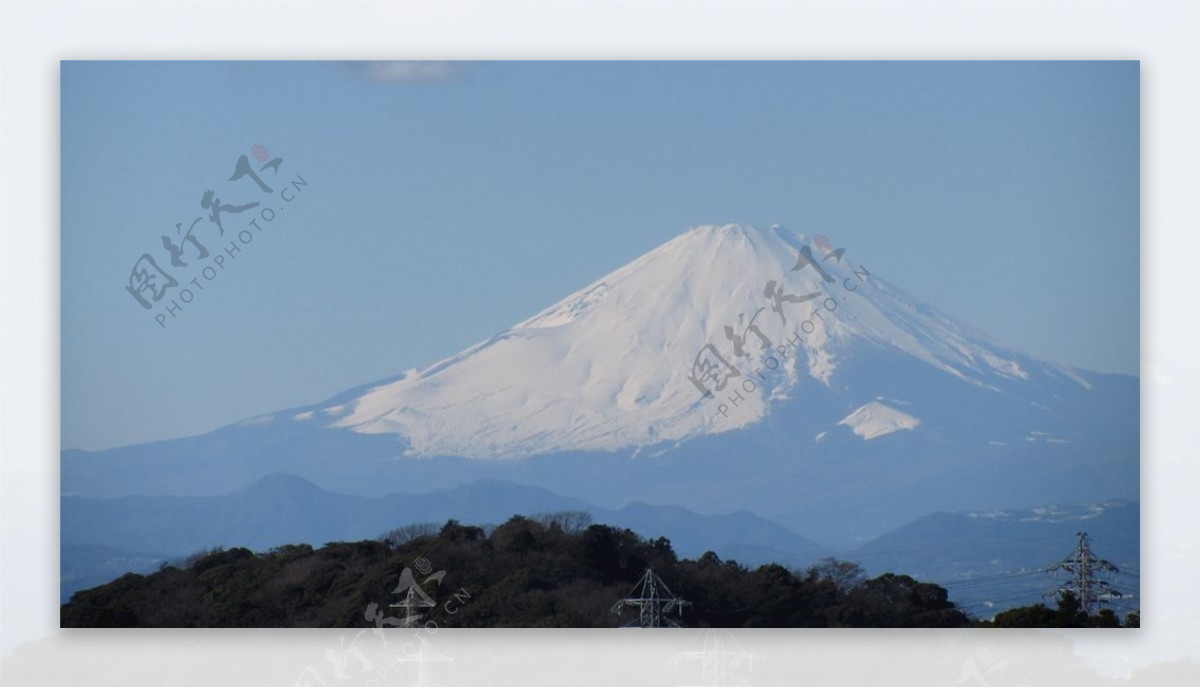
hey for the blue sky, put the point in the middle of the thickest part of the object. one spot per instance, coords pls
(447, 202)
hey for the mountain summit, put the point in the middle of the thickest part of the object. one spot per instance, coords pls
(614, 365)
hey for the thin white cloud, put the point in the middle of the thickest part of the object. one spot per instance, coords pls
(407, 71)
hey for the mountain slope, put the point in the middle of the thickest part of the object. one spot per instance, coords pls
(521, 574)
(608, 367)
(867, 408)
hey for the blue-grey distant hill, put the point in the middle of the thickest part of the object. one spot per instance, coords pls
(102, 535)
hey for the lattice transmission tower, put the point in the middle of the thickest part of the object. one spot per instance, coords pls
(654, 602)
(1088, 576)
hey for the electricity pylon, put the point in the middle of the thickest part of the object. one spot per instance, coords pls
(654, 602)
(1087, 576)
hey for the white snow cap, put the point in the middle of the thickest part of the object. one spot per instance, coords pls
(608, 367)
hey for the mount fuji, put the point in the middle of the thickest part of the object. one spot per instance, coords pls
(732, 368)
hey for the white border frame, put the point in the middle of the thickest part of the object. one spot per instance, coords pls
(34, 36)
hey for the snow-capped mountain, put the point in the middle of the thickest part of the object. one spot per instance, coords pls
(731, 368)
(610, 367)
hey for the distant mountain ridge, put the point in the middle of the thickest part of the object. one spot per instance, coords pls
(997, 559)
(988, 561)
(283, 509)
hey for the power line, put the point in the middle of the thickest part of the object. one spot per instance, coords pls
(1005, 594)
(984, 581)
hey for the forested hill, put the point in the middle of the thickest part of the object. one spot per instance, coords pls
(553, 570)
